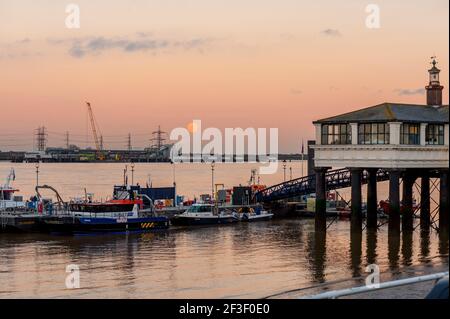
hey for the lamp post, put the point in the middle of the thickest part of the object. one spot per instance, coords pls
(132, 173)
(302, 158)
(173, 172)
(37, 173)
(174, 184)
(284, 169)
(290, 173)
(302, 174)
(212, 179)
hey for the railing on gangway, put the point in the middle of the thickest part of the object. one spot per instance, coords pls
(371, 288)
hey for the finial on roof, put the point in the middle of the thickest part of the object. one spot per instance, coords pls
(434, 61)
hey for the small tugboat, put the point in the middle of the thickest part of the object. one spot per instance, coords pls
(250, 214)
(7, 199)
(205, 214)
(87, 217)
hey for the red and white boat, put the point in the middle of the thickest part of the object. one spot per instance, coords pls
(7, 199)
(384, 207)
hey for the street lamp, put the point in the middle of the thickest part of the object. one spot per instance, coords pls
(284, 169)
(174, 184)
(212, 179)
(173, 172)
(132, 173)
(37, 173)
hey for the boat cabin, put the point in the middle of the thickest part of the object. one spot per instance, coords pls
(200, 208)
(113, 206)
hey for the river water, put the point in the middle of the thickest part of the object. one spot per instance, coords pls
(242, 261)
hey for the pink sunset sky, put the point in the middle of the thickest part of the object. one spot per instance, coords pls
(246, 63)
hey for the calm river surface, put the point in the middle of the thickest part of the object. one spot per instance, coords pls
(242, 261)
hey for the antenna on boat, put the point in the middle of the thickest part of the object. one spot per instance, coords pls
(11, 177)
(125, 179)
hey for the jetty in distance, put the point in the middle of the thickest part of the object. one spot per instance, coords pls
(60, 155)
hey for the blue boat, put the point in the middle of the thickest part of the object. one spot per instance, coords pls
(115, 216)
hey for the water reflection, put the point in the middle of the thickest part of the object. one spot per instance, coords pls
(443, 242)
(356, 252)
(317, 254)
(407, 247)
(424, 244)
(244, 260)
(371, 246)
(393, 248)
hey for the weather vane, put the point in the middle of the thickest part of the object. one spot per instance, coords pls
(434, 60)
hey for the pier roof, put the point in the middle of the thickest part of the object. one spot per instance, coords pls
(392, 112)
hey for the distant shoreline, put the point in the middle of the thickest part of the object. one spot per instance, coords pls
(17, 157)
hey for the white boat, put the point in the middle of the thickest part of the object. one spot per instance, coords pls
(250, 214)
(7, 199)
(205, 214)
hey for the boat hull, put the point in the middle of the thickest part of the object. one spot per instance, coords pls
(83, 225)
(22, 224)
(254, 218)
(199, 221)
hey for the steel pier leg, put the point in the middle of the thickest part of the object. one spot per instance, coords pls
(425, 202)
(408, 214)
(321, 201)
(394, 200)
(443, 201)
(356, 217)
(372, 200)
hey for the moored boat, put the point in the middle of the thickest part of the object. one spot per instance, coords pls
(111, 216)
(384, 207)
(205, 214)
(87, 217)
(250, 214)
(8, 201)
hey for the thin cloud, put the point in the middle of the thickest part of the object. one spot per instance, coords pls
(144, 34)
(24, 41)
(141, 42)
(16, 44)
(288, 36)
(17, 49)
(296, 91)
(419, 91)
(331, 33)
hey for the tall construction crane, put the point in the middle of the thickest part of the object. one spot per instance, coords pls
(94, 127)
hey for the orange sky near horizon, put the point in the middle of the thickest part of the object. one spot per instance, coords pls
(145, 63)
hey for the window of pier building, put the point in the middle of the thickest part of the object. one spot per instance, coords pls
(373, 133)
(434, 134)
(336, 134)
(410, 134)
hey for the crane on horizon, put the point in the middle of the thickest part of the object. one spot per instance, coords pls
(94, 126)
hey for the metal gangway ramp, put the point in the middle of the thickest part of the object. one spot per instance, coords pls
(334, 179)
